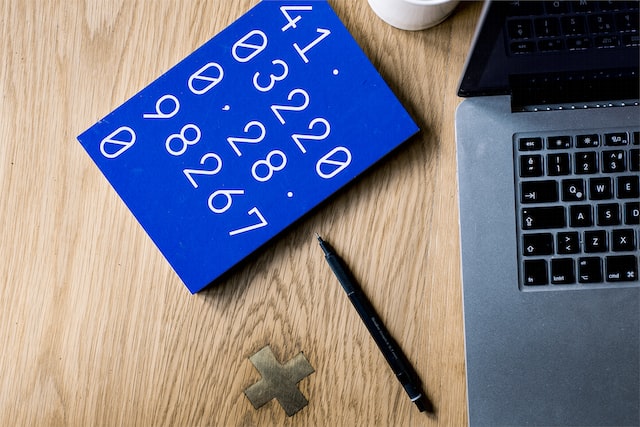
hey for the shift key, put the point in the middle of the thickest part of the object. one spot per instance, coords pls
(543, 218)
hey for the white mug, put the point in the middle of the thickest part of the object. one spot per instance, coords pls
(413, 14)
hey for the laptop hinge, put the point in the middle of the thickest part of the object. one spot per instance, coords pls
(559, 91)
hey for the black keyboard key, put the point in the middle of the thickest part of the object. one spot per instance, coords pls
(586, 162)
(622, 268)
(535, 272)
(631, 40)
(543, 218)
(600, 189)
(634, 160)
(573, 190)
(575, 25)
(578, 43)
(568, 243)
(595, 241)
(628, 187)
(623, 240)
(523, 47)
(538, 192)
(531, 166)
(558, 164)
(608, 214)
(580, 216)
(626, 22)
(588, 141)
(562, 271)
(558, 142)
(590, 270)
(537, 244)
(606, 41)
(613, 161)
(632, 213)
(601, 23)
(636, 138)
(530, 144)
(616, 139)
(551, 45)
(520, 29)
(547, 27)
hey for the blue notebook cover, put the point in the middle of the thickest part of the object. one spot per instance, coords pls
(247, 134)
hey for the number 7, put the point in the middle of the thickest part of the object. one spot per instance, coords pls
(263, 222)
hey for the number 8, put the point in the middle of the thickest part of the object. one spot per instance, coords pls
(270, 166)
(182, 137)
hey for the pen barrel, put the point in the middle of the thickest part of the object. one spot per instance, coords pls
(385, 342)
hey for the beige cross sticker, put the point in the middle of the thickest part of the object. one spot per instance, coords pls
(279, 381)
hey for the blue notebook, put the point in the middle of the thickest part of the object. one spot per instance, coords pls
(246, 135)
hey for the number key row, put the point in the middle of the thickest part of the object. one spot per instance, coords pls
(587, 162)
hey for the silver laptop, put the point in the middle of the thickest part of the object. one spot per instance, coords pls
(548, 152)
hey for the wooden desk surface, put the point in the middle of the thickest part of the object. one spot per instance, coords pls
(96, 329)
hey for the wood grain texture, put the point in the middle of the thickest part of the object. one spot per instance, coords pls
(96, 329)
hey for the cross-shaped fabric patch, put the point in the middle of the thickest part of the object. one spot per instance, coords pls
(279, 381)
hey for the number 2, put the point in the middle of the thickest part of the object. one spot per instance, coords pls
(297, 137)
(277, 108)
(233, 140)
(190, 172)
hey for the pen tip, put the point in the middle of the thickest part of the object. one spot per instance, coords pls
(318, 237)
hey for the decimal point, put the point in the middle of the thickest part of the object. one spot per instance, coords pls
(290, 194)
(226, 108)
(336, 72)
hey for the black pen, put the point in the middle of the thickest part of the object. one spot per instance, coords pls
(389, 348)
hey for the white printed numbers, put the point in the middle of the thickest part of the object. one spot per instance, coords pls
(206, 78)
(184, 141)
(227, 195)
(245, 49)
(292, 21)
(298, 137)
(159, 114)
(117, 142)
(261, 223)
(233, 140)
(189, 173)
(333, 162)
(268, 164)
(303, 51)
(305, 103)
(272, 77)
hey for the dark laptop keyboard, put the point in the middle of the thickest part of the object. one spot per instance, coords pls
(571, 25)
(578, 208)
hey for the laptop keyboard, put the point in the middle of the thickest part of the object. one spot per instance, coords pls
(578, 207)
(571, 25)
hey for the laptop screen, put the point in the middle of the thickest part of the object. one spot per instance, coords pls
(555, 52)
